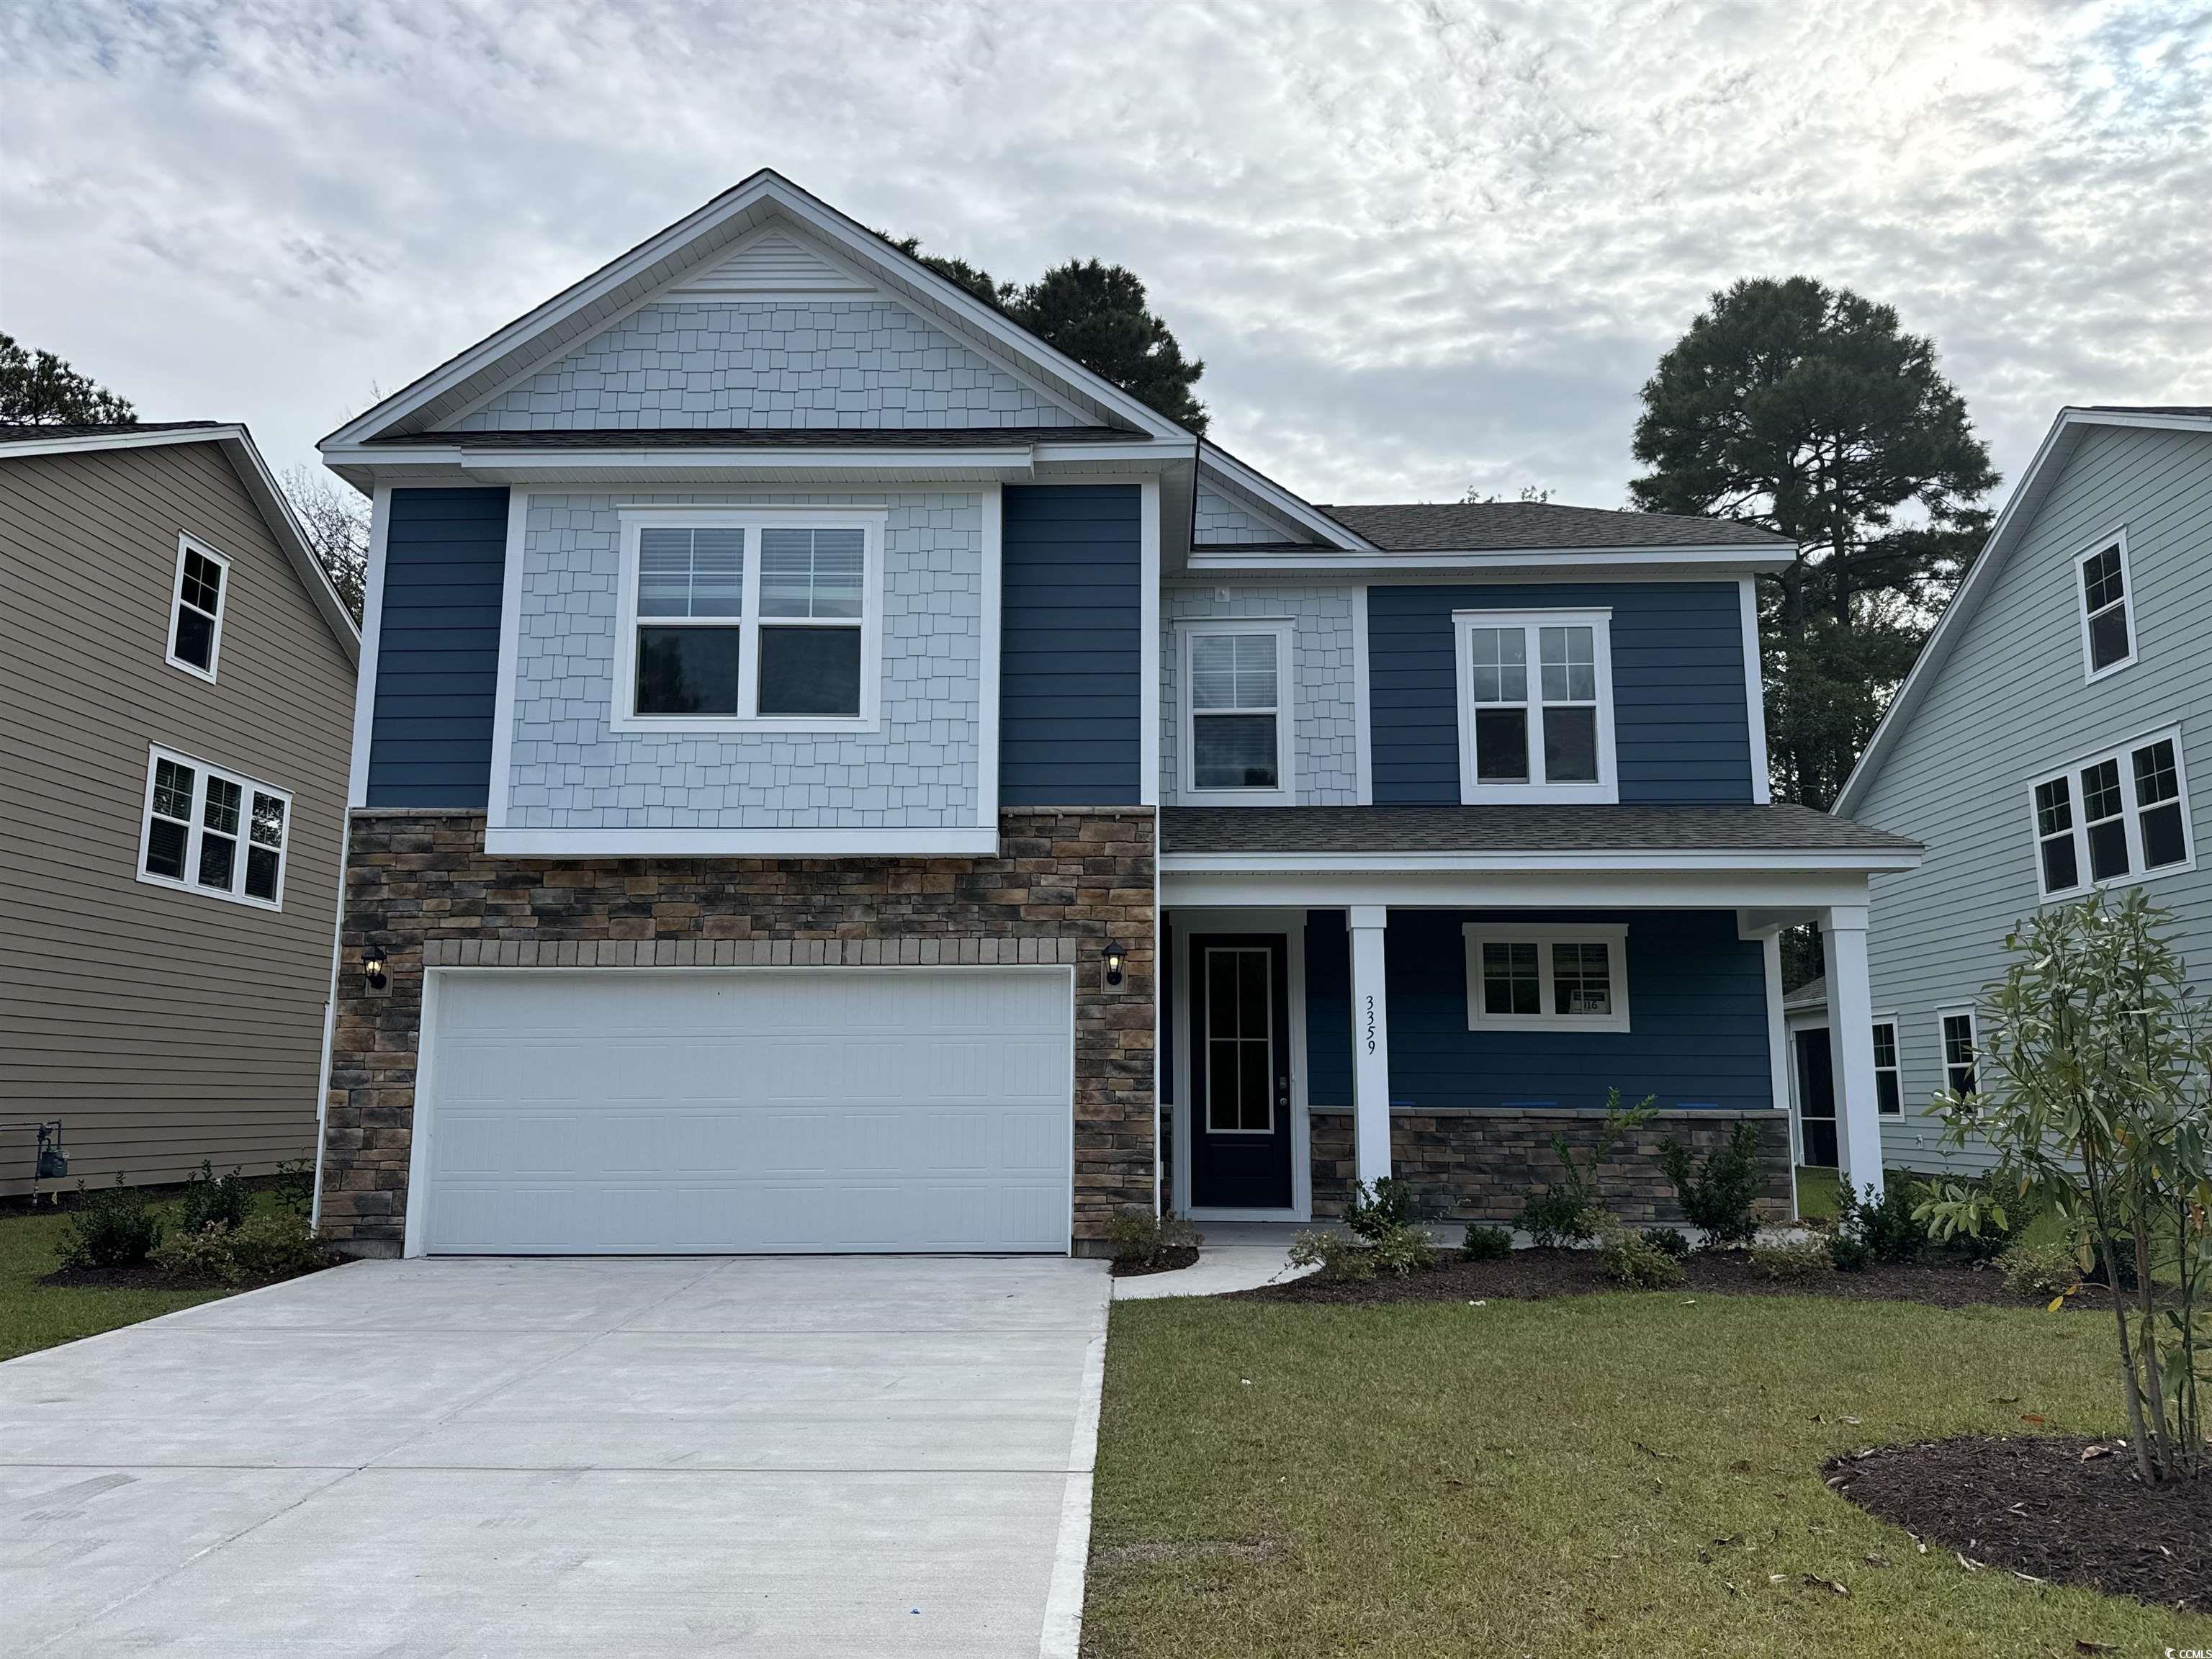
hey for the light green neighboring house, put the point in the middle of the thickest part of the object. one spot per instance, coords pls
(2055, 738)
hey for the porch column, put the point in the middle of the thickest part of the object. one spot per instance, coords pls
(1371, 1043)
(1850, 1045)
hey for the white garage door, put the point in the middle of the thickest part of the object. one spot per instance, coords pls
(826, 1109)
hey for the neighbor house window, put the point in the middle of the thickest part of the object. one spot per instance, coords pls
(1889, 1085)
(1959, 1051)
(212, 832)
(2104, 588)
(196, 608)
(2113, 817)
(1546, 978)
(739, 620)
(1237, 721)
(1535, 706)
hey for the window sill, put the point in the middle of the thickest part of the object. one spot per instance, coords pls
(1551, 1022)
(216, 893)
(705, 726)
(1542, 794)
(1236, 798)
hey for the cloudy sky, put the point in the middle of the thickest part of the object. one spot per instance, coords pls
(1420, 247)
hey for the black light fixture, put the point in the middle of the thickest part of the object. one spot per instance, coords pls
(1114, 954)
(373, 968)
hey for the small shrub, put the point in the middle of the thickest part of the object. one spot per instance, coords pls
(1403, 1249)
(1337, 1256)
(1799, 1259)
(1556, 1216)
(204, 1253)
(211, 1200)
(1667, 1241)
(1633, 1260)
(1887, 1225)
(2041, 1270)
(295, 1184)
(1371, 1213)
(1136, 1235)
(110, 1229)
(1485, 1243)
(270, 1245)
(1719, 1197)
(1848, 1255)
(1969, 1217)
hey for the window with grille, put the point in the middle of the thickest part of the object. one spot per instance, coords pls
(1536, 705)
(209, 830)
(2114, 818)
(1531, 978)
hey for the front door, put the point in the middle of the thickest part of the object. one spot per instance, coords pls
(1816, 1098)
(1240, 1072)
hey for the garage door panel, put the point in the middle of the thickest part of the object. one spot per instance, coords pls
(806, 1109)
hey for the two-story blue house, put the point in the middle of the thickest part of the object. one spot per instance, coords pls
(833, 773)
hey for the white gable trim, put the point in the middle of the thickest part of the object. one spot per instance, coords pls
(1222, 471)
(772, 263)
(2012, 525)
(543, 335)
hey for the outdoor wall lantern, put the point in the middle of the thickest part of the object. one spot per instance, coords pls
(373, 968)
(1115, 954)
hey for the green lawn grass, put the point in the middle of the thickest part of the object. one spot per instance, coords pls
(1817, 1193)
(35, 1315)
(1633, 1475)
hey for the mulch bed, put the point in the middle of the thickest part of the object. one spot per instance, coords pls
(148, 1277)
(1535, 1273)
(2038, 1507)
(1159, 1261)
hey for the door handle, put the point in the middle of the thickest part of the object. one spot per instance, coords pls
(1283, 1092)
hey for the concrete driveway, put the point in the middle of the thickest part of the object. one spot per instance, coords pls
(779, 1456)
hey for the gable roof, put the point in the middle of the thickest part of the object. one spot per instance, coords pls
(2012, 525)
(1481, 526)
(695, 249)
(22, 442)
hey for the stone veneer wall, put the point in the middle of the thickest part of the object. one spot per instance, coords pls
(1478, 1166)
(420, 885)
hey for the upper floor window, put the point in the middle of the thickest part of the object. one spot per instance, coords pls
(212, 832)
(196, 608)
(746, 621)
(1538, 978)
(1236, 718)
(2105, 590)
(1535, 692)
(2114, 818)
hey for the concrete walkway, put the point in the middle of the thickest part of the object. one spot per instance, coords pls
(768, 1456)
(1237, 1255)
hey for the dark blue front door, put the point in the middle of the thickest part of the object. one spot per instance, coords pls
(1240, 1072)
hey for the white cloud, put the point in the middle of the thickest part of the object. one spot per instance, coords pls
(1418, 247)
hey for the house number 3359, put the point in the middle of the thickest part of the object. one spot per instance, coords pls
(1370, 1025)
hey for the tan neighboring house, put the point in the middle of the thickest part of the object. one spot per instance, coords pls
(176, 721)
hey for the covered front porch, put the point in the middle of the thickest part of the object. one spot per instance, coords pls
(1332, 1014)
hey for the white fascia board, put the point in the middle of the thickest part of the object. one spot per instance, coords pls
(2079, 417)
(1703, 562)
(85, 442)
(1807, 891)
(742, 843)
(1275, 499)
(1134, 449)
(1417, 863)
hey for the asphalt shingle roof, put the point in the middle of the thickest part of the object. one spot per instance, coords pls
(756, 437)
(19, 435)
(1480, 526)
(1779, 828)
(1813, 993)
(2204, 409)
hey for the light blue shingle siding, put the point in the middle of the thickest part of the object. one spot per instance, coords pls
(437, 661)
(2010, 705)
(1071, 675)
(1681, 729)
(1323, 681)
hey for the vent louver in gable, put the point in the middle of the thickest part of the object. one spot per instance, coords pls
(772, 262)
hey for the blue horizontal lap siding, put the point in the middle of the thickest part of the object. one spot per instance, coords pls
(1696, 1004)
(1072, 617)
(1328, 1009)
(437, 656)
(1681, 731)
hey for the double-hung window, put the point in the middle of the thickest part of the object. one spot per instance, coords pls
(1237, 717)
(196, 608)
(2104, 589)
(1960, 1049)
(1537, 979)
(1888, 1076)
(749, 621)
(1536, 693)
(2117, 817)
(212, 832)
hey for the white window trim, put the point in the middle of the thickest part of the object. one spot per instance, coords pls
(1897, 1049)
(2116, 536)
(202, 771)
(189, 544)
(623, 716)
(1612, 935)
(1606, 789)
(1187, 792)
(2131, 818)
(1973, 1035)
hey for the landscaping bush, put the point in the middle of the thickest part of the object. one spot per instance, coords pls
(1371, 1213)
(1337, 1256)
(2041, 1270)
(211, 1200)
(1633, 1260)
(2001, 1224)
(1403, 1249)
(1136, 1235)
(204, 1253)
(295, 1184)
(1719, 1197)
(1667, 1241)
(270, 1245)
(1570, 1210)
(1554, 1216)
(1485, 1243)
(1888, 1226)
(1798, 1259)
(111, 1228)
(1848, 1255)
